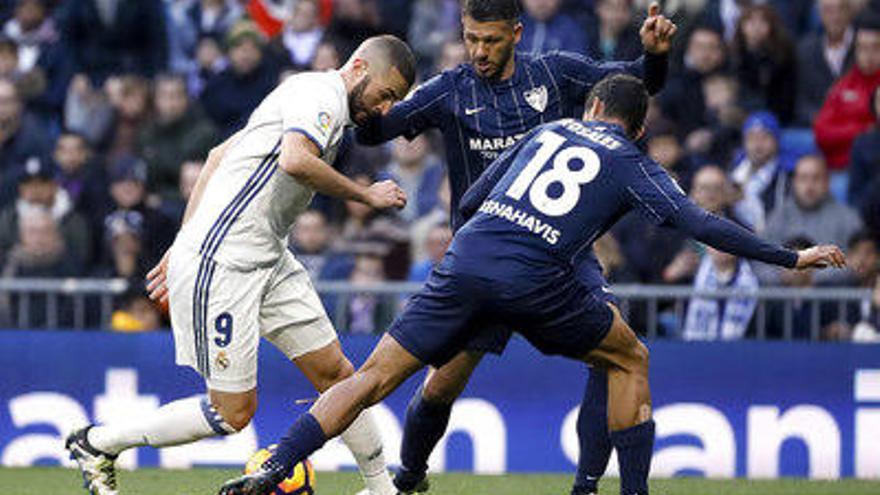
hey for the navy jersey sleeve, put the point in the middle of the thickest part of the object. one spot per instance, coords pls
(580, 72)
(421, 110)
(654, 193)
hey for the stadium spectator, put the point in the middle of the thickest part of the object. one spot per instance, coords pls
(664, 147)
(846, 112)
(42, 56)
(704, 57)
(190, 21)
(868, 329)
(822, 57)
(723, 119)
(353, 22)
(649, 249)
(811, 211)
(615, 36)
(435, 245)
(545, 29)
(301, 35)
(232, 95)
(81, 175)
(213, 18)
(611, 258)
(124, 238)
(419, 229)
(39, 252)
(799, 323)
(128, 176)
(310, 242)
(433, 25)
(721, 319)
(326, 57)
(110, 37)
(132, 110)
(210, 61)
(452, 54)
(723, 16)
(758, 176)
(764, 63)
(178, 132)
(174, 206)
(21, 137)
(418, 172)
(87, 110)
(369, 231)
(38, 190)
(864, 170)
(136, 314)
(368, 313)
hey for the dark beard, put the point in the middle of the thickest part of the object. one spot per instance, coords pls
(356, 99)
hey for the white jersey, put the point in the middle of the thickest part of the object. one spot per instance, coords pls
(250, 204)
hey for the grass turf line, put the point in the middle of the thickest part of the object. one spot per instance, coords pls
(57, 481)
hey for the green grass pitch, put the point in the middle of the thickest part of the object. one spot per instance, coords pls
(56, 481)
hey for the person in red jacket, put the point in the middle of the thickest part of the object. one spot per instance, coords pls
(846, 112)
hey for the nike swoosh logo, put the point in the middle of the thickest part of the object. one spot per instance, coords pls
(472, 111)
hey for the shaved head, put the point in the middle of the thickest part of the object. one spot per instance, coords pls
(385, 52)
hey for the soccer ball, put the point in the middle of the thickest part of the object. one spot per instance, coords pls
(301, 482)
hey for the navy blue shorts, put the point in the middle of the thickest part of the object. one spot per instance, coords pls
(454, 311)
(493, 339)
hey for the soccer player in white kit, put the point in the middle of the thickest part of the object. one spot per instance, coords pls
(230, 279)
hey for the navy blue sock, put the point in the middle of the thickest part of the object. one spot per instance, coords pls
(634, 445)
(424, 426)
(592, 429)
(303, 438)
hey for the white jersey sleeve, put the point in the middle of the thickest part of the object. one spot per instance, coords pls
(317, 112)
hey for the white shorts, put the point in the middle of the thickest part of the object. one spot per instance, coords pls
(219, 314)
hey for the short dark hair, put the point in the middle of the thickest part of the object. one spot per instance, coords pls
(799, 242)
(625, 98)
(491, 10)
(869, 20)
(398, 54)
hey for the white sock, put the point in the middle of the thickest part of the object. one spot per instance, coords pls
(363, 440)
(175, 423)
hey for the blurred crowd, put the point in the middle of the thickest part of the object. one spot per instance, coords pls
(770, 116)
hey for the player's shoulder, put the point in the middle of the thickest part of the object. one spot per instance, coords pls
(327, 84)
(562, 60)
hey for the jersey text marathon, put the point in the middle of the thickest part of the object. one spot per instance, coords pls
(521, 218)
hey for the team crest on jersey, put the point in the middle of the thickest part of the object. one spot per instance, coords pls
(537, 98)
(324, 122)
(222, 360)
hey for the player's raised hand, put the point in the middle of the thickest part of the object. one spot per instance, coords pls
(385, 194)
(157, 280)
(820, 257)
(657, 31)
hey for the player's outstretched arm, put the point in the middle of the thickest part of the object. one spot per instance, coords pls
(299, 158)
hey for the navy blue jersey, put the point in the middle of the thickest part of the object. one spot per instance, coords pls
(545, 201)
(479, 118)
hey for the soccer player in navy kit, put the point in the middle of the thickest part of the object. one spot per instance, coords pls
(483, 108)
(529, 218)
